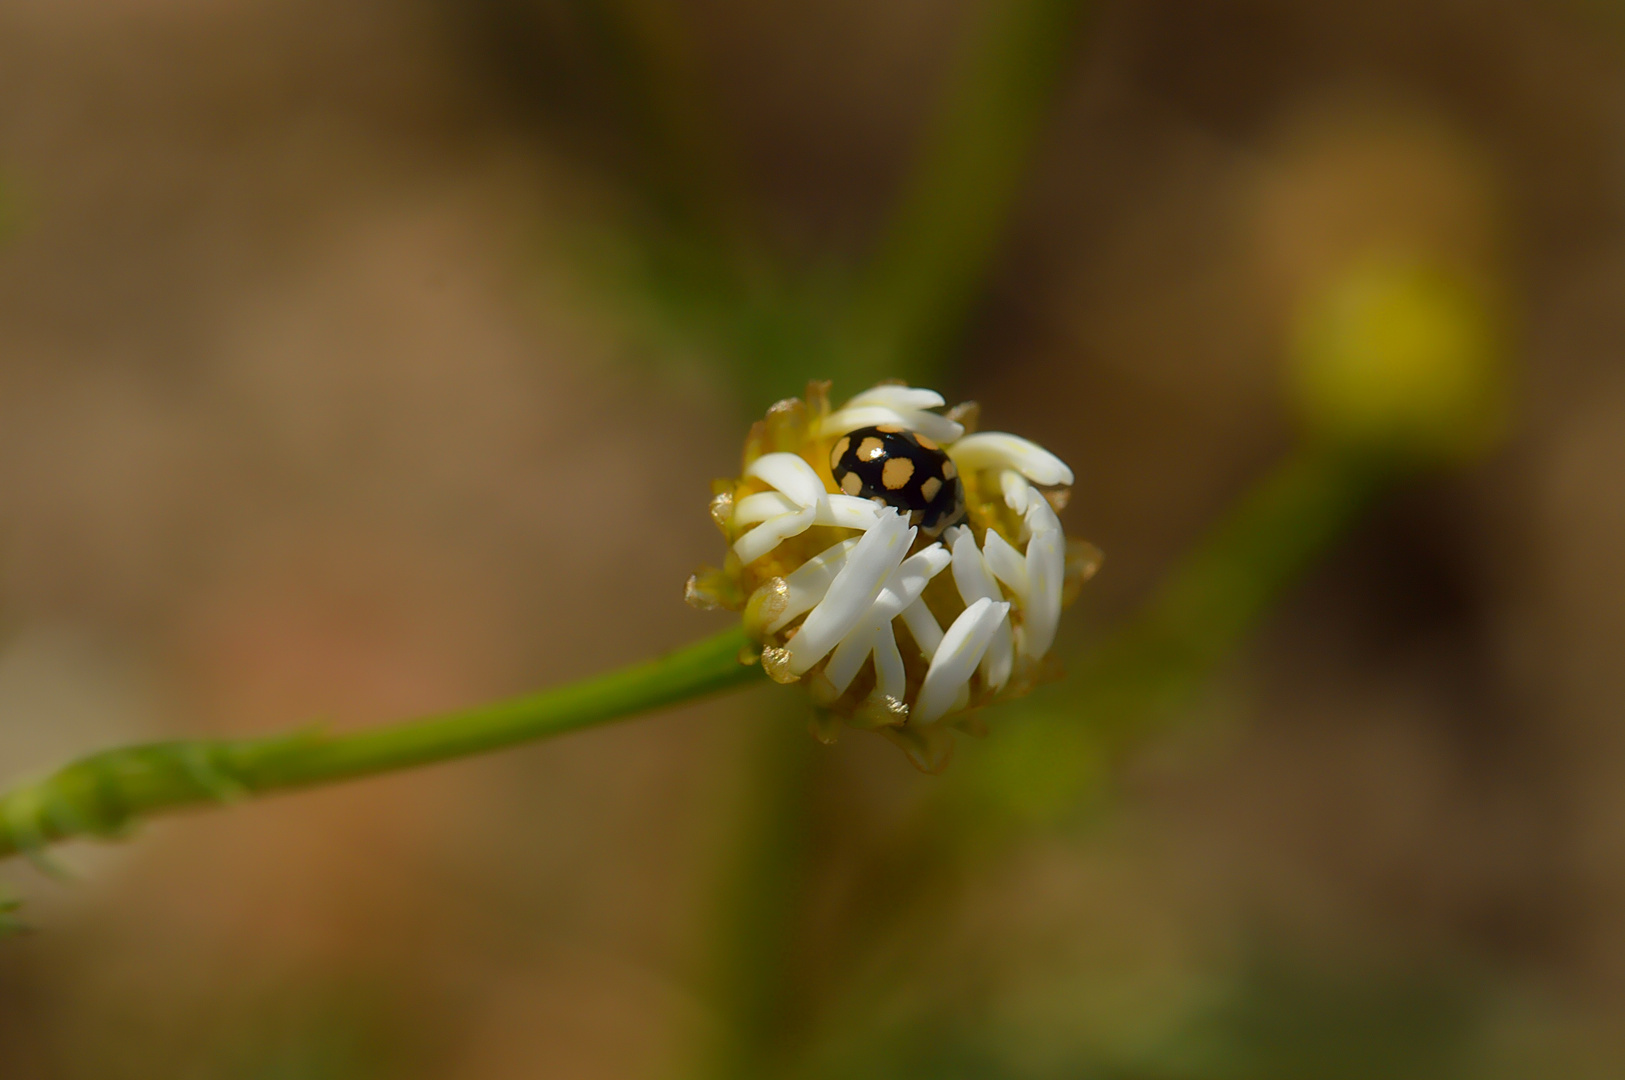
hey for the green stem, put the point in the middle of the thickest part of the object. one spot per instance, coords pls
(753, 960)
(954, 211)
(102, 795)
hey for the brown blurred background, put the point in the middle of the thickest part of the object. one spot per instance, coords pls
(361, 359)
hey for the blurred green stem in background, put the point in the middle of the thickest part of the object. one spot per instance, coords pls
(1058, 745)
(689, 172)
(751, 953)
(104, 794)
(944, 234)
(8, 919)
(712, 284)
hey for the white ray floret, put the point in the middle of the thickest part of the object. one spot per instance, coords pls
(891, 677)
(799, 503)
(975, 582)
(791, 474)
(948, 677)
(1007, 564)
(1046, 572)
(901, 398)
(848, 512)
(844, 511)
(809, 583)
(1016, 490)
(762, 506)
(800, 485)
(773, 532)
(868, 564)
(998, 450)
(873, 632)
(924, 626)
(908, 406)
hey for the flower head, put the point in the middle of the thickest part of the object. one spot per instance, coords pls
(902, 568)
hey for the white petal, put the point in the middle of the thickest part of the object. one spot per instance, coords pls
(970, 572)
(890, 678)
(847, 659)
(975, 582)
(923, 625)
(904, 587)
(900, 596)
(868, 565)
(1007, 564)
(768, 535)
(847, 512)
(761, 506)
(800, 484)
(791, 474)
(1000, 658)
(998, 450)
(961, 650)
(897, 397)
(1017, 492)
(844, 420)
(932, 425)
(810, 581)
(1046, 571)
(935, 427)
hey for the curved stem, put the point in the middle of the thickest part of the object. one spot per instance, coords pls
(102, 795)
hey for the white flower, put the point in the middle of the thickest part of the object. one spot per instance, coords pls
(826, 606)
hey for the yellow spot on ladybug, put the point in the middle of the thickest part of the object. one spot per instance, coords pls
(839, 451)
(878, 500)
(896, 473)
(870, 448)
(949, 470)
(851, 483)
(925, 442)
(916, 516)
(929, 489)
(889, 429)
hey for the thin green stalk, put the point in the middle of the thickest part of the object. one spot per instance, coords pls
(753, 959)
(104, 794)
(689, 172)
(947, 228)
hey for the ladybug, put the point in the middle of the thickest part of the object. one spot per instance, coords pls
(895, 467)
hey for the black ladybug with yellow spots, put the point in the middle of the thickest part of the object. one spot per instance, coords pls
(893, 466)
